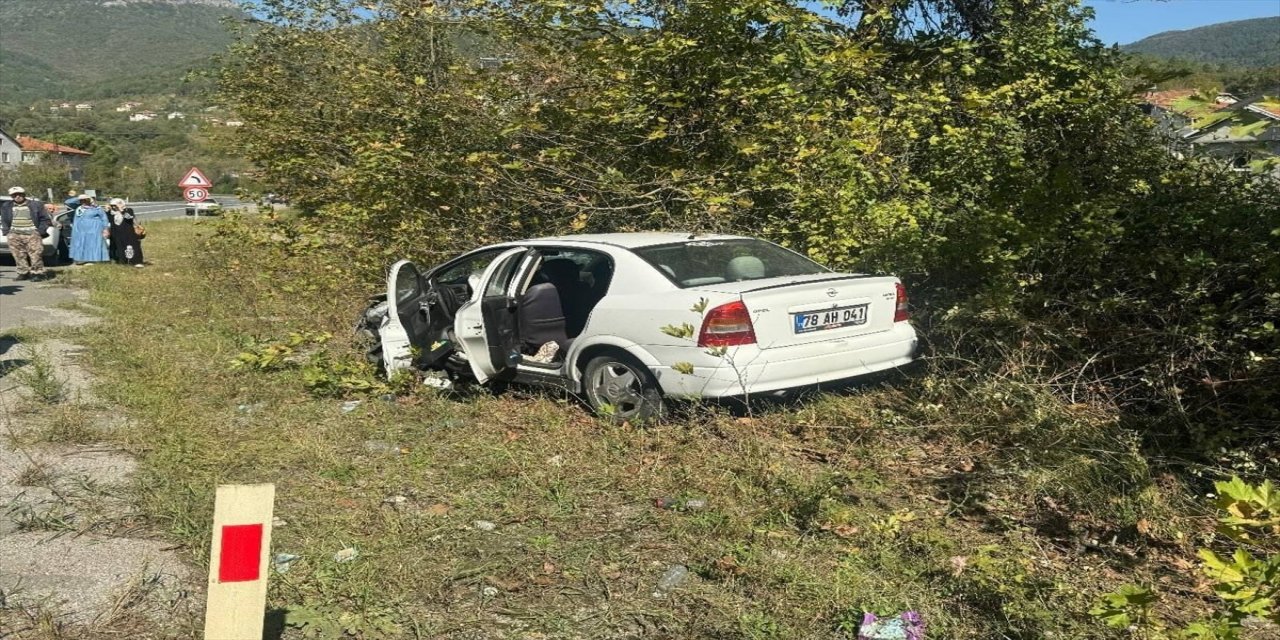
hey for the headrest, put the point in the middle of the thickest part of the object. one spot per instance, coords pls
(561, 270)
(745, 268)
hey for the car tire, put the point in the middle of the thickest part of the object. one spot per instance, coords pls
(621, 389)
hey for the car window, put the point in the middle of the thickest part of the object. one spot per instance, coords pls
(457, 272)
(703, 262)
(502, 277)
(406, 283)
(575, 267)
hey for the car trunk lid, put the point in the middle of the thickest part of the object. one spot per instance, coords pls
(814, 308)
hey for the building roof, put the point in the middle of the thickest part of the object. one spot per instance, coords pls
(41, 146)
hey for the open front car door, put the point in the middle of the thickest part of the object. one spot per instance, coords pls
(486, 327)
(408, 320)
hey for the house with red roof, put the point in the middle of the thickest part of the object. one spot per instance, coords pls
(35, 150)
(1244, 132)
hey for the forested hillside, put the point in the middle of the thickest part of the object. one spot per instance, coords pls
(1243, 43)
(86, 49)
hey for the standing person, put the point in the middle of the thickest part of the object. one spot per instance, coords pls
(126, 244)
(89, 234)
(24, 222)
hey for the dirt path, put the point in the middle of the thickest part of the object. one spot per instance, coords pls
(75, 562)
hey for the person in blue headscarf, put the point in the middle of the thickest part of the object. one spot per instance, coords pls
(89, 234)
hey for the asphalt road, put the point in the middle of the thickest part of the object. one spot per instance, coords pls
(176, 208)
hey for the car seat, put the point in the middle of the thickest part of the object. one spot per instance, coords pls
(541, 318)
(575, 300)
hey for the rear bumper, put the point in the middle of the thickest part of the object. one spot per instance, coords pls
(750, 370)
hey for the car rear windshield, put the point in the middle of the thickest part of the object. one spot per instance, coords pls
(702, 262)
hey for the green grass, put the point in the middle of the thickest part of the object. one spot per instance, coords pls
(989, 505)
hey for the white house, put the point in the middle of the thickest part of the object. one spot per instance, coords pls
(177, 115)
(128, 106)
(142, 115)
(234, 123)
(10, 152)
(84, 106)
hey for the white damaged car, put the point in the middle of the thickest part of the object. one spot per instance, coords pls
(629, 319)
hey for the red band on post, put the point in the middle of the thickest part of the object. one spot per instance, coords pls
(241, 553)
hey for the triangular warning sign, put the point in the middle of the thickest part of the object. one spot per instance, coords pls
(195, 178)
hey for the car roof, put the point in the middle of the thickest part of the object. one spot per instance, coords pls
(635, 240)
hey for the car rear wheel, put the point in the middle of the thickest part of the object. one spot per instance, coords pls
(621, 389)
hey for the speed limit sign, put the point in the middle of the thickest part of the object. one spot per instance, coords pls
(195, 194)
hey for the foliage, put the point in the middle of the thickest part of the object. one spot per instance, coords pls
(1247, 586)
(273, 355)
(39, 177)
(327, 621)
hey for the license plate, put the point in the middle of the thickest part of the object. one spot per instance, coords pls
(830, 318)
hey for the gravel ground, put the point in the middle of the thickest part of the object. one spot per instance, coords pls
(73, 558)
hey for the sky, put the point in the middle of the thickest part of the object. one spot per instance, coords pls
(1125, 21)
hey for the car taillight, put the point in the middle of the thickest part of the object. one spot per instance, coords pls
(728, 325)
(901, 313)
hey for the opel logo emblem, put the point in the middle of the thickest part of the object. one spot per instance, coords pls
(831, 293)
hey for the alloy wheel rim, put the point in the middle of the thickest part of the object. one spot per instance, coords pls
(619, 386)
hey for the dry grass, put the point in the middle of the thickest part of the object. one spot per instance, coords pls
(989, 506)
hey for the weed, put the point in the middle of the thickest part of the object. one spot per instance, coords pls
(70, 424)
(40, 377)
(35, 475)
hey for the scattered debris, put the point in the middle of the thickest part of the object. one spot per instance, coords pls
(387, 397)
(438, 380)
(670, 580)
(250, 408)
(382, 446)
(556, 460)
(546, 353)
(395, 501)
(438, 509)
(282, 562)
(692, 504)
(489, 592)
(346, 555)
(484, 525)
(278, 522)
(350, 405)
(907, 626)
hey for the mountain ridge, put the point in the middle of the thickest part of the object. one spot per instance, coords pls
(129, 47)
(1240, 43)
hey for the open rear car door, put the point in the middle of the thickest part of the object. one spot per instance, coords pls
(486, 326)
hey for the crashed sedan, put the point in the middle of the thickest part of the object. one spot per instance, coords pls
(628, 319)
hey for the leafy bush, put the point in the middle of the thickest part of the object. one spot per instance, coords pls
(1247, 586)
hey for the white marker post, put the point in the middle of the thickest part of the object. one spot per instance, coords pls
(238, 562)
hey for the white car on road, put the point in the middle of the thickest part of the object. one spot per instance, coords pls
(51, 240)
(630, 318)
